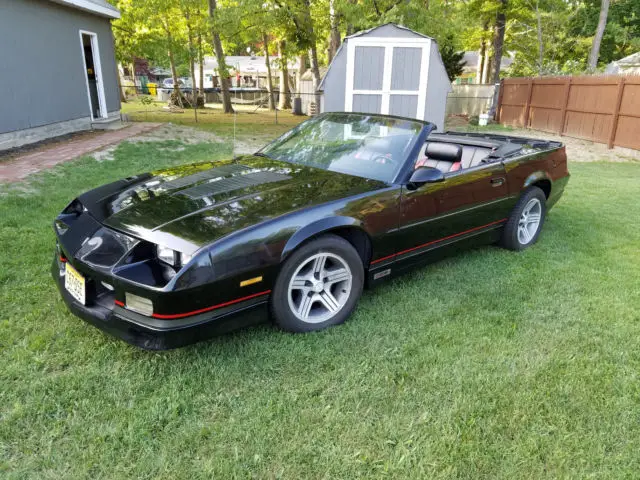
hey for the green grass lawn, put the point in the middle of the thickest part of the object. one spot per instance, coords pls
(492, 364)
(248, 121)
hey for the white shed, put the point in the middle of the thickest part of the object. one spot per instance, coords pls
(388, 69)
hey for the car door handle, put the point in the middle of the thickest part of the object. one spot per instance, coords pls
(496, 182)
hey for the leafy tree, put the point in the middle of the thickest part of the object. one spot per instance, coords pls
(451, 58)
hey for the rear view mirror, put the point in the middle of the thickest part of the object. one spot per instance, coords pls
(424, 175)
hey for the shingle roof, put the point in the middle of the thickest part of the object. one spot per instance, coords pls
(97, 7)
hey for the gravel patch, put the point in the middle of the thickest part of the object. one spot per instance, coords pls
(577, 150)
(168, 131)
(186, 135)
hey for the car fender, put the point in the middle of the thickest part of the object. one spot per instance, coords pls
(317, 227)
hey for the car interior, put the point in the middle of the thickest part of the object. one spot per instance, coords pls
(451, 157)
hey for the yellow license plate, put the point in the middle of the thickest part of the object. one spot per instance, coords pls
(74, 283)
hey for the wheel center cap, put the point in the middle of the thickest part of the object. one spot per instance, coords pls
(318, 287)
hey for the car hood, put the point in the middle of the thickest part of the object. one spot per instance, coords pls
(190, 206)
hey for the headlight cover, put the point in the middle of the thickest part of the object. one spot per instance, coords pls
(172, 257)
(105, 248)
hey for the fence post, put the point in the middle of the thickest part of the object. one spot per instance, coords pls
(565, 104)
(616, 113)
(527, 106)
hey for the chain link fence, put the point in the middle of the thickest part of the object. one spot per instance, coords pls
(155, 102)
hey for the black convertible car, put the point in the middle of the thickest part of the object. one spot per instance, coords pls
(296, 231)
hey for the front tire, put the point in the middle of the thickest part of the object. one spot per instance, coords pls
(525, 222)
(319, 285)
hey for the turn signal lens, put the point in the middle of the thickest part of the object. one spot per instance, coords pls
(138, 304)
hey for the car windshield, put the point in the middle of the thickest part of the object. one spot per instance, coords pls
(369, 146)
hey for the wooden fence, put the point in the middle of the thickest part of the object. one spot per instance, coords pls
(604, 109)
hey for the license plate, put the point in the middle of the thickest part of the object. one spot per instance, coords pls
(74, 283)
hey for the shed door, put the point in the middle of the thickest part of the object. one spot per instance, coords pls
(388, 77)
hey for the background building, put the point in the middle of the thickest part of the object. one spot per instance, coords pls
(388, 69)
(59, 70)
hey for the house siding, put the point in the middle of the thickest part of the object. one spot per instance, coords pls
(43, 76)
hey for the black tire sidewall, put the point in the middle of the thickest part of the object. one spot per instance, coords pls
(510, 233)
(280, 310)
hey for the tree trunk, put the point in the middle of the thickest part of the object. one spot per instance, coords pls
(540, 44)
(192, 61)
(313, 49)
(285, 97)
(176, 94)
(302, 67)
(498, 41)
(315, 71)
(201, 64)
(597, 39)
(334, 36)
(123, 97)
(265, 42)
(481, 53)
(223, 72)
(486, 67)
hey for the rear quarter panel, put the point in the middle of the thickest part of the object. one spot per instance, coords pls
(550, 165)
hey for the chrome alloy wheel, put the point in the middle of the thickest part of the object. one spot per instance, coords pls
(529, 221)
(320, 287)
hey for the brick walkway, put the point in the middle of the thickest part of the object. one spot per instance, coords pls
(20, 167)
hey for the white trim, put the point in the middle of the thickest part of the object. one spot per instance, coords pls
(89, 6)
(348, 91)
(386, 79)
(95, 51)
(388, 44)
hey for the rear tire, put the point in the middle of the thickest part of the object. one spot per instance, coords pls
(318, 286)
(525, 222)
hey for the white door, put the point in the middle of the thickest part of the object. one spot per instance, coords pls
(387, 75)
(93, 74)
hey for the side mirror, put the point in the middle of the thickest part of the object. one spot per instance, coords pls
(424, 175)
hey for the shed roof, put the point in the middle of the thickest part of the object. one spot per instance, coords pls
(388, 24)
(404, 29)
(98, 7)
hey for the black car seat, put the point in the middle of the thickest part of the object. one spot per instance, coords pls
(445, 157)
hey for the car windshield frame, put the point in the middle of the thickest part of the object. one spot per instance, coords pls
(367, 158)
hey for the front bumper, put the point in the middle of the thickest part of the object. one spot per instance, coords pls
(154, 334)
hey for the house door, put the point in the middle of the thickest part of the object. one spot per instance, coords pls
(387, 75)
(93, 75)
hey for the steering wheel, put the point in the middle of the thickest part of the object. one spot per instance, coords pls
(384, 159)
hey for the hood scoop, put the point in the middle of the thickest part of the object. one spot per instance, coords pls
(230, 184)
(205, 175)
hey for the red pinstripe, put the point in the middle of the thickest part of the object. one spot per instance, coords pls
(436, 241)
